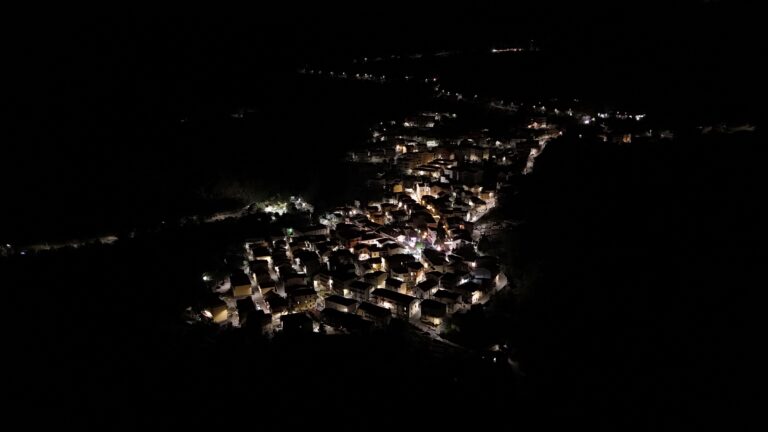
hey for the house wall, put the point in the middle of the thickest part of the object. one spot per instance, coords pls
(341, 308)
(242, 290)
(219, 313)
(435, 321)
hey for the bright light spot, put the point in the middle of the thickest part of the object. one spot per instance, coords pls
(475, 297)
(206, 313)
(206, 278)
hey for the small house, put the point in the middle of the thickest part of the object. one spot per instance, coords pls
(379, 315)
(301, 299)
(340, 303)
(433, 312)
(402, 305)
(297, 323)
(241, 284)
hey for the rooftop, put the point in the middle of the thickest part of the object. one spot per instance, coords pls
(300, 292)
(344, 301)
(427, 284)
(394, 296)
(447, 295)
(372, 309)
(297, 318)
(239, 278)
(360, 285)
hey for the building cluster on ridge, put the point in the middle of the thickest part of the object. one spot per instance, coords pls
(406, 251)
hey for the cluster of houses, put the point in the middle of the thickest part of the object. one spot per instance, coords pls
(357, 274)
(408, 252)
(421, 146)
(448, 159)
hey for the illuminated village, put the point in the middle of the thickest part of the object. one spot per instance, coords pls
(408, 252)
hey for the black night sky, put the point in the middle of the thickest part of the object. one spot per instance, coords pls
(631, 265)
